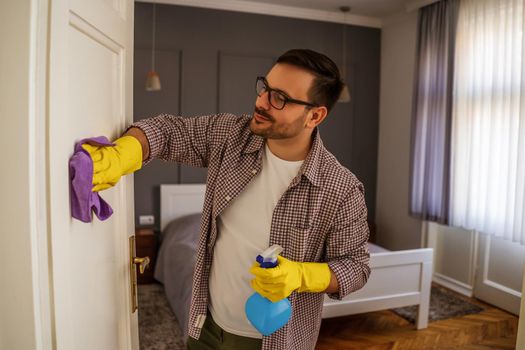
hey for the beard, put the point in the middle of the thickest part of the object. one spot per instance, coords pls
(271, 129)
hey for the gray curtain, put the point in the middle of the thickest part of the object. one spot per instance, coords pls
(432, 112)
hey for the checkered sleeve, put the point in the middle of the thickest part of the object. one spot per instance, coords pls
(185, 140)
(346, 251)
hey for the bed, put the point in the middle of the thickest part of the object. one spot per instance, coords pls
(398, 278)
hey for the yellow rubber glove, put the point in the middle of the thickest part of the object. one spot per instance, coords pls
(110, 163)
(279, 282)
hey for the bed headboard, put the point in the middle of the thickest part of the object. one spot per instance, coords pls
(180, 200)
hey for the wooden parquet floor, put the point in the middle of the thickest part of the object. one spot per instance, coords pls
(385, 330)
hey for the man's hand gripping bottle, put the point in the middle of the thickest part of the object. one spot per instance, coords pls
(266, 316)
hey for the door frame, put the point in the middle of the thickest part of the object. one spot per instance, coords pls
(38, 174)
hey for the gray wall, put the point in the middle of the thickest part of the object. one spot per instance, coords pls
(396, 229)
(208, 61)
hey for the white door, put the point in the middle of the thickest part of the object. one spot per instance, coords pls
(488, 268)
(90, 94)
(500, 273)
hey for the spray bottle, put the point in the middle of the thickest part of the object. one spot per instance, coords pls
(265, 315)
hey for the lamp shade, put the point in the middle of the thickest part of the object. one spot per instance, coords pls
(345, 95)
(153, 81)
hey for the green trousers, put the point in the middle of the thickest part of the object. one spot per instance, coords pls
(214, 338)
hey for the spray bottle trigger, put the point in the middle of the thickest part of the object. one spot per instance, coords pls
(265, 264)
(268, 258)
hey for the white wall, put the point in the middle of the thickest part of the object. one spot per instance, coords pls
(17, 319)
(395, 229)
(455, 257)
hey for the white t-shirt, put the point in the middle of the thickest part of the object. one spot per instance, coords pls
(243, 233)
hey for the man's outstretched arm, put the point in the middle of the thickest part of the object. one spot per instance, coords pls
(141, 137)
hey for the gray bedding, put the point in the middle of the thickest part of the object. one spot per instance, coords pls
(176, 259)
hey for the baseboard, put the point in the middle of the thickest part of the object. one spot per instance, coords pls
(453, 284)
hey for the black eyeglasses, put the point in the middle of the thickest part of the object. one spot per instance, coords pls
(276, 98)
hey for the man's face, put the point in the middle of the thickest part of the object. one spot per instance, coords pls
(272, 123)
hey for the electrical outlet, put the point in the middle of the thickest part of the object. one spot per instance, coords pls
(146, 220)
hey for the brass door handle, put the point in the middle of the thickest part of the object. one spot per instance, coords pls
(142, 262)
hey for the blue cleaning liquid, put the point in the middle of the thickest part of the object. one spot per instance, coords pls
(266, 316)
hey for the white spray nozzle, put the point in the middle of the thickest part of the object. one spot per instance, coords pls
(270, 254)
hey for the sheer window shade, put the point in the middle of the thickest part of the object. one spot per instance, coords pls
(488, 129)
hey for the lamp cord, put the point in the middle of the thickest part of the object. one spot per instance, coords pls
(344, 45)
(153, 38)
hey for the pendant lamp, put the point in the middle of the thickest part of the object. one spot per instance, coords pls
(153, 80)
(345, 94)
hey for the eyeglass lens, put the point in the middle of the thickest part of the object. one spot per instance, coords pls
(277, 100)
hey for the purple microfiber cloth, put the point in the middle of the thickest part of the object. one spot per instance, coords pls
(82, 198)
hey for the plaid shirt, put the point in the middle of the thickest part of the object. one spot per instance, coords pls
(321, 217)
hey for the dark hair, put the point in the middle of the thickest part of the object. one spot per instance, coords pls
(327, 85)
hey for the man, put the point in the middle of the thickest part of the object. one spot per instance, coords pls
(270, 181)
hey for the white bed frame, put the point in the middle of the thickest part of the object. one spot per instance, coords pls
(398, 278)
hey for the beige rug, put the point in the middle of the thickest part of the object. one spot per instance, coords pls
(158, 327)
(444, 304)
